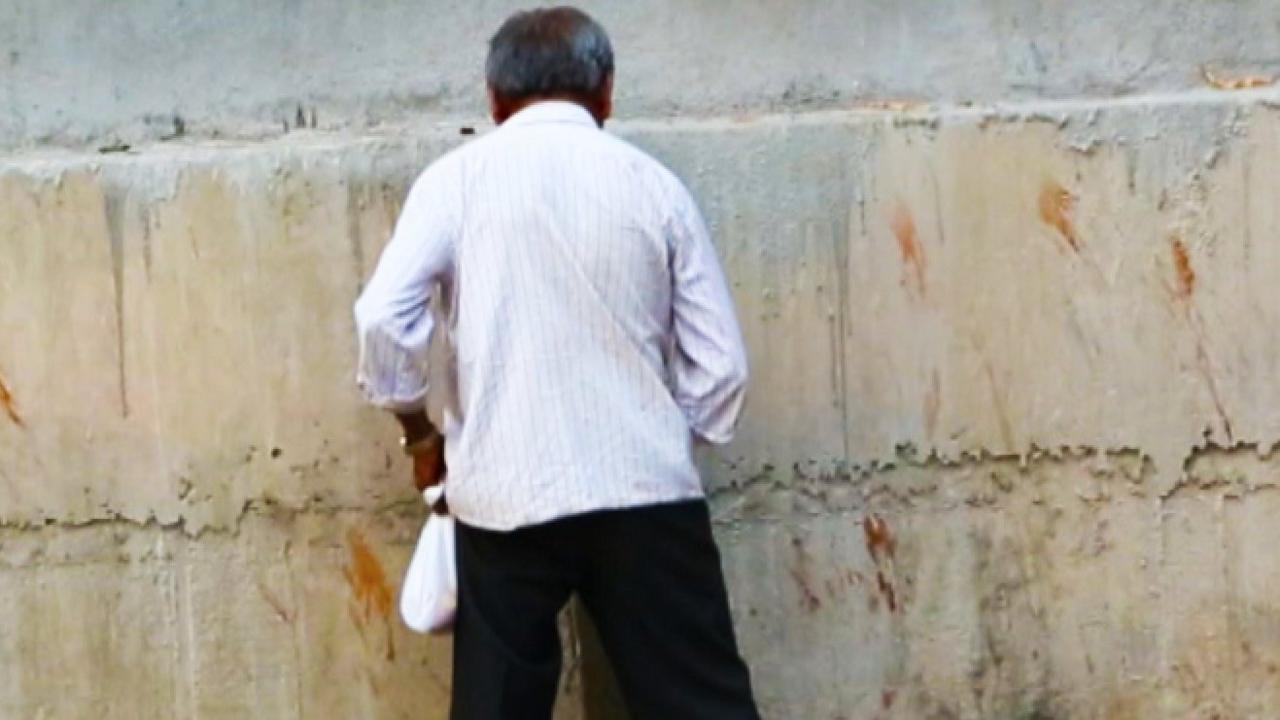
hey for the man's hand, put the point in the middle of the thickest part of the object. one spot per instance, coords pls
(429, 471)
(428, 465)
(425, 445)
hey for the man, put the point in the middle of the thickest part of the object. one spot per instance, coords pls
(595, 342)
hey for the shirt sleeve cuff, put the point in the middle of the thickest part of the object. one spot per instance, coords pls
(398, 403)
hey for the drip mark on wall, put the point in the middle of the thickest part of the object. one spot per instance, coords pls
(1186, 275)
(1056, 207)
(932, 404)
(114, 208)
(913, 260)
(1183, 292)
(369, 588)
(9, 405)
(881, 545)
(146, 241)
(357, 198)
(809, 599)
(271, 599)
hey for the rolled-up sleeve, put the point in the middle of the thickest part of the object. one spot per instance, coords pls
(394, 323)
(709, 360)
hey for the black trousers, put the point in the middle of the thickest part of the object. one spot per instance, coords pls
(651, 580)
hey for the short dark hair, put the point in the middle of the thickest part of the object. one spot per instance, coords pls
(549, 52)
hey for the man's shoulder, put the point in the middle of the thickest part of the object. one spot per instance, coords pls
(635, 154)
(450, 160)
(656, 174)
(459, 161)
(442, 172)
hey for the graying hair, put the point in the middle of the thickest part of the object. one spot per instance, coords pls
(549, 52)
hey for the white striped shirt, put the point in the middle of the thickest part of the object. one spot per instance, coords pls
(593, 333)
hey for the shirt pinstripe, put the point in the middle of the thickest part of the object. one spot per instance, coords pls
(594, 335)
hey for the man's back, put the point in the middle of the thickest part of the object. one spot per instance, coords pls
(594, 340)
(593, 333)
(563, 308)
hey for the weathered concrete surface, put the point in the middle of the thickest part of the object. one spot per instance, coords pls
(74, 72)
(1061, 589)
(1069, 280)
(292, 617)
(1008, 452)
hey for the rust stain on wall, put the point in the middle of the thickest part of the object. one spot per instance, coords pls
(880, 540)
(1186, 275)
(881, 545)
(1056, 206)
(1244, 82)
(9, 404)
(367, 578)
(1183, 290)
(371, 593)
(904, 230)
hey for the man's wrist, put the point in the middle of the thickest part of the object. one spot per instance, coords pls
(420, 436)
(417, 428)
(424, 446)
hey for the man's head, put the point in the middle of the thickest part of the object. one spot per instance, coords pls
(550, 54)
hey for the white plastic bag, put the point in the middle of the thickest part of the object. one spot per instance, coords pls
(429, 597)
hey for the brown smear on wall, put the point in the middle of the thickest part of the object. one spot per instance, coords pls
(881, 546)
(272, 600)
(8, 404)
(1186, 275)
(1183, 292)
(904, 230)
(1056, 206)
(371, 593)
(1246, 82)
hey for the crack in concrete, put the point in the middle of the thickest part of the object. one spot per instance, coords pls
(877, 483)
(259, 507)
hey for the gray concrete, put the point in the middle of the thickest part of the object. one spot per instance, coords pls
(82, 72)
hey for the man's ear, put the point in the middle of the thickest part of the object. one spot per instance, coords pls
(497, 109)
(605, 110)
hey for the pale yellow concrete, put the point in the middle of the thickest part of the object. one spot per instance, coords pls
(1035, 345)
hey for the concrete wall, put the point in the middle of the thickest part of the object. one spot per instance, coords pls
(1009, 447)
(78, 72)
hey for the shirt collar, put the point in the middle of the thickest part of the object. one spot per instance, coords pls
(551, 111)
